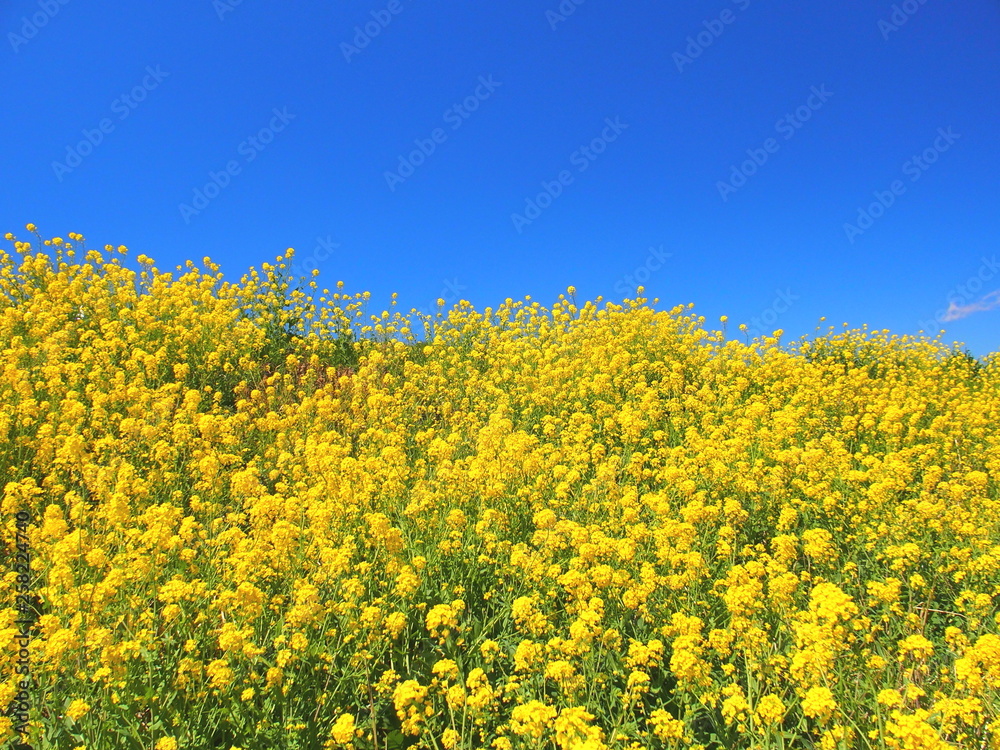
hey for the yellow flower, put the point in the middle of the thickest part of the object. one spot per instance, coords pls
(408, 699)
(528, 617)
(527, 655)
(573, 728)
(559, 670)
(645, 654)
(443, 617)
(889, 697)
(817, 544)
(166, 743)
(735, 706)
(490, 650)
(342, 732)
(77, 709)
(665, 726)
(446, 668)
(818, 703)
(220, 674)
(637, 684)
(531, 719)
(481, 694)
(769, 710)
(273, 677)
(917, 645)
(914, 732)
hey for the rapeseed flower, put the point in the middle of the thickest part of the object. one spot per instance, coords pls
(594, 524)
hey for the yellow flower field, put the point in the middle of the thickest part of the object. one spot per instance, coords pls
(262, 517)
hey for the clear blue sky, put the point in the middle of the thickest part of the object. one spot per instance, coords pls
(833, 99)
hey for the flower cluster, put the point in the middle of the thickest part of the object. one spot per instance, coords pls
(263, 517)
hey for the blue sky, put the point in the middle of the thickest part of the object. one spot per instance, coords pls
(773, 162)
